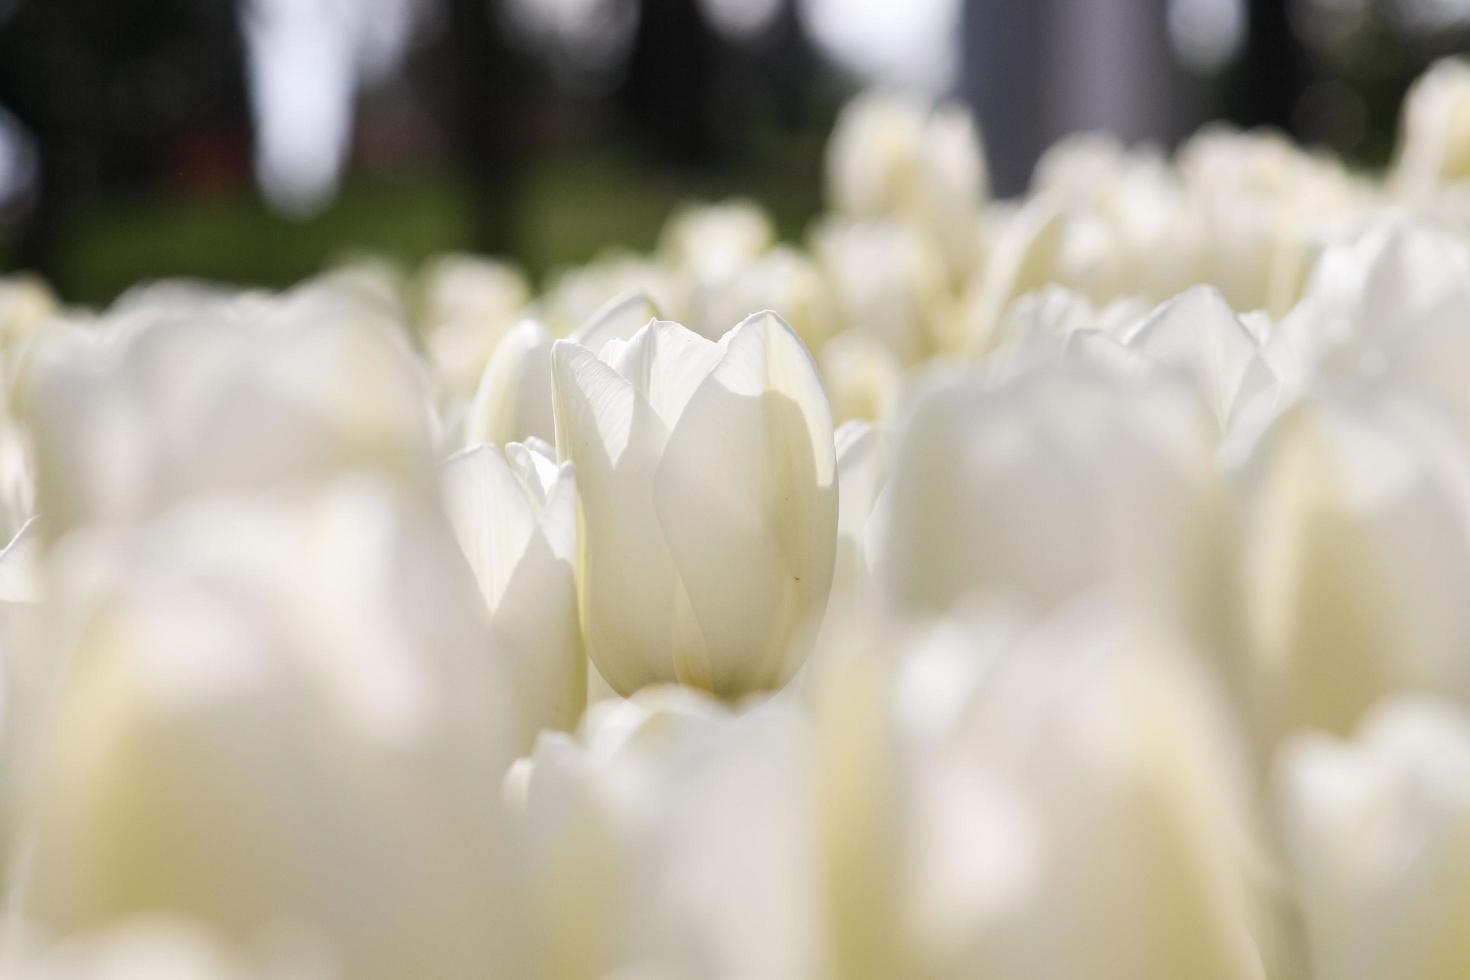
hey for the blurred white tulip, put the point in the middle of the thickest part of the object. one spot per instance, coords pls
(513, 400)
(862, 474)
(469, 303)
(671, 836)
(180, 394)
(864, 379)
(707, 483)
(1017, 801)
(1028, 491)
(714, 242)
(1198, 335)
(1378, 833)
(783, 280)
(276, 714)
(890, 156)
(1355, 540)
(514, 513)
(1434, 141)
(888, 285)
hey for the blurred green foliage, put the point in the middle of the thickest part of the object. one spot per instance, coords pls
(568, 208)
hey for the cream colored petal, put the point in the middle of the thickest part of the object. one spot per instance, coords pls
(619, 319)
(513, 400)
(746, 496)
(492, 516)
(665, 362)
(626, 579)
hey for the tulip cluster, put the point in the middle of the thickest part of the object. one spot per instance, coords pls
(1068, 587)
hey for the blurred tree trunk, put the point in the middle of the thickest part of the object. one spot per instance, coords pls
(672, 78)
(1272, 72)
(485, 100)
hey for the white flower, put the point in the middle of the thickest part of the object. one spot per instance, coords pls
(1016, 801)
(276, 713)
(783, 280)
(1377, 831)
(1199, 336)
(179, 395)
(888, 285)
(513, 400)
(514, 513)
(706, 477)
(1355, 541)
(673, 832)
(864, 379)
(469, 304)
(711, 243)
(1028, 491)
(1434, 144)
(862, 474)
(891, 157)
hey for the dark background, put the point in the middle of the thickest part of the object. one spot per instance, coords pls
(255, 140)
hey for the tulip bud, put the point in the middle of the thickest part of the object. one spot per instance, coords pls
(706, 477)
(514, 514)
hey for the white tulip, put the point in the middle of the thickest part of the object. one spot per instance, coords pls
(1434, 144)
(783, 280)
(25, 304)
(713, 242)
(672, 831)
(862, 473)
(864, 379)
(1355, 541)
(469, 304)
(1026, 492)
(514, 513)
(579, 294)
(1037, 329)
(1387, 301)
(707, 483)
(1197, 334)
(176, 396)
(277, 713)
(892, 157)
(513, 400)
(888, 284)
(1378, 833)
(1052, 800)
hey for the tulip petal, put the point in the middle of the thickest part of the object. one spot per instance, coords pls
(746, 496)
(513, 400)
(491, 514)
(625, 573)
(666, 363)
(620, 319)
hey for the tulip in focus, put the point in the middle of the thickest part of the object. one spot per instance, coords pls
(706, 480)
